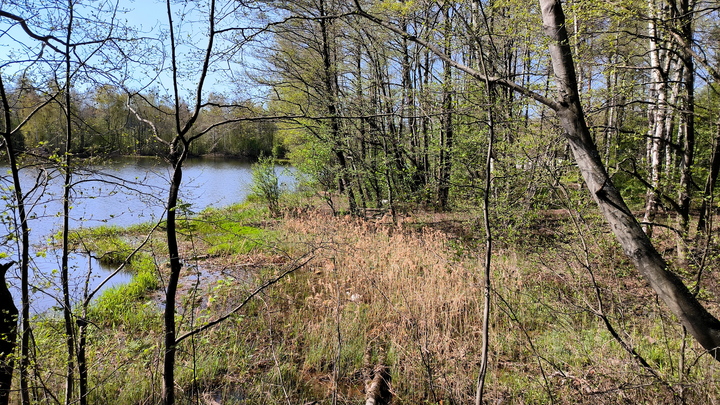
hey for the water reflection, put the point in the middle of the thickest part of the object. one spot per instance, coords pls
(125, 192)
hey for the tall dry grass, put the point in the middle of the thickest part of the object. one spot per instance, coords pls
(409, 295)
(413, 291)
(397, 289)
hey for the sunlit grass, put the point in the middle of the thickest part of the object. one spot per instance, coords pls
(407, 293)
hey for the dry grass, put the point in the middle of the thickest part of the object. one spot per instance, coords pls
(397, 289)
(410, 293)
(413, 291)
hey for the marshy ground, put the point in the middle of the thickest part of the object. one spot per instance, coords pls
(407, 294)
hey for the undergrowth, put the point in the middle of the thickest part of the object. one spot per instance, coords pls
(406, 294)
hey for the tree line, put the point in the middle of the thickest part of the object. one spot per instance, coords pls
(393, 104)
(105, 126)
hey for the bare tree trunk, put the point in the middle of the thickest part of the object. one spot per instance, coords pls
(170, 293)
(176, 158)
(82, 361)
(7, 371)
(656, 118)
(487, 286)
(663, 92)
(487, 281)
(67, 188)
(687, 129)
(447, 131)
(699, 322)
(425, 123)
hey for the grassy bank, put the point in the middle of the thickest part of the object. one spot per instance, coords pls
(406, 294)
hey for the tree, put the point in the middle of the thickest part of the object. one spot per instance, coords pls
(8, 335)
(178, 142)
(704, 327)
(24, 256)
(74, 34)
(636, 244)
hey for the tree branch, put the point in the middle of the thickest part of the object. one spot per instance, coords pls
(446, 58)
(305, 259)
(44, 39)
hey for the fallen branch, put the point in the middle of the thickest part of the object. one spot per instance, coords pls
(377, 381)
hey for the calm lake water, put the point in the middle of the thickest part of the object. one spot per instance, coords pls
(124, 192)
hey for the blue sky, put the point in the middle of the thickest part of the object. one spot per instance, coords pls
(145, 14)
(149, 18)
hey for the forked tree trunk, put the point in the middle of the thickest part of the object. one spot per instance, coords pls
(698, 321)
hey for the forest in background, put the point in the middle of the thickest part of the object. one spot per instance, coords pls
(105, 127)
(387, 107)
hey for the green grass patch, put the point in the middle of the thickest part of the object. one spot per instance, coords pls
(124, 304)
(110, 244)
(228, 230)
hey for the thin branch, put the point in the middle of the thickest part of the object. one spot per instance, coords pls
(446, 58)
(122, 265)
(307, 257)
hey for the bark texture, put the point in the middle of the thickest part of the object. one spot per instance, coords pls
(377, 379)
(703, 326)
(377, 390)
(8, 336)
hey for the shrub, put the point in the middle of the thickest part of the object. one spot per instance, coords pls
(266, 184)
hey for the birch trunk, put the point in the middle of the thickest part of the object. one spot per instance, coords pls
(656, 121)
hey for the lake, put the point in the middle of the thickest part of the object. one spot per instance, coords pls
(124, 192)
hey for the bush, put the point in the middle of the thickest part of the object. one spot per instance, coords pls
(266, 184)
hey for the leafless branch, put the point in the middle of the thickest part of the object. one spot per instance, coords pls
(299, 263)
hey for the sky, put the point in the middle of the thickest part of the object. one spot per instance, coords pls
(145, 14)
(149, 18)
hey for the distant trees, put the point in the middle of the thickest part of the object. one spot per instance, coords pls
(105, 126)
